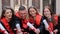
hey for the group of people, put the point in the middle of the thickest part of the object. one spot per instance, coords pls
(29, 22)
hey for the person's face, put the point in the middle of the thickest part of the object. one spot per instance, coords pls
(32, 12)
(47, 12)
(23, 14)
(8, 13)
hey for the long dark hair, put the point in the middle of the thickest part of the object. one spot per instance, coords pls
(52, 14)
(4, 10)
(33, 8)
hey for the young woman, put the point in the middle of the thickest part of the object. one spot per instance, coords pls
(51, 20)
(35, 19)
(6, 22)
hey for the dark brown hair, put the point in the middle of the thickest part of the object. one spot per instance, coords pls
(4, 10)
(22, 8)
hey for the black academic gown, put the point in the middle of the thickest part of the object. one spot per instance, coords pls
(40, 27)
(19, 20)
(12, 24)
(58, 25)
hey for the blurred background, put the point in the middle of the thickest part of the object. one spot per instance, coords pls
(39, 4)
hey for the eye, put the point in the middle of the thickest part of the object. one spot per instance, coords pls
(33, 10)
(7, 12)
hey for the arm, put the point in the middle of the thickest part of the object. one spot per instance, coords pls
(41, 27)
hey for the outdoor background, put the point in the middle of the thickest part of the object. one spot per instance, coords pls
(39, 4)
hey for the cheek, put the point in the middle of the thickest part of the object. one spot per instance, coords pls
(25, 14)
(44, 13)
(30, 12)
(35, 12)
(49, 13)
(6, 15)
(11, 14)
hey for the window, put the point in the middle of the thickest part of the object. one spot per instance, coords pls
(5, 3)
(36, 3)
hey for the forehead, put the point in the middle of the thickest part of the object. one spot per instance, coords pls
(32, 9)
(22, 11)
(8, 10)
(46, 9)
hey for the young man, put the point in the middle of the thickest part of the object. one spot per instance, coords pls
(22, 19)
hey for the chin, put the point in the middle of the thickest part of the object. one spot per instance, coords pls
(23, 18)
(33, 15)
(10, 17)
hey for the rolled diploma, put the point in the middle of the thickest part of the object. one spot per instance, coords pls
(31, 26)
(2, 28)
(18, 28)
(47, 26)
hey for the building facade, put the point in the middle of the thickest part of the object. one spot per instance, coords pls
(39, 4)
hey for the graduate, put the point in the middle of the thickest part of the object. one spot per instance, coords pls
(6, 22)
(22, 19)
(50, 20)
(36, 20)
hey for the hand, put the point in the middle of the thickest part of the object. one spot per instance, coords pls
(47, 29)
(37, 31)
(19, 31)
(55, 31)
(25, 32)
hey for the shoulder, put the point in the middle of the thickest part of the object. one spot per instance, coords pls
(16, 18)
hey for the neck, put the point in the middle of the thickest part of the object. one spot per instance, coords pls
(34, 18)
(49, 17)
(8, 19)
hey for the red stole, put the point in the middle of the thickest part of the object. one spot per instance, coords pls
(17, 14)
(37, 21)
(56, 18)
(24, 23)
(2, 31)
(7, 26)
(51, 26)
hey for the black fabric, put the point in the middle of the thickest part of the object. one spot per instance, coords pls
(44, 31)
(12, 23)
(18, 20)
(40, 27)
(1, 33)
(58, 26)
(55, 27)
